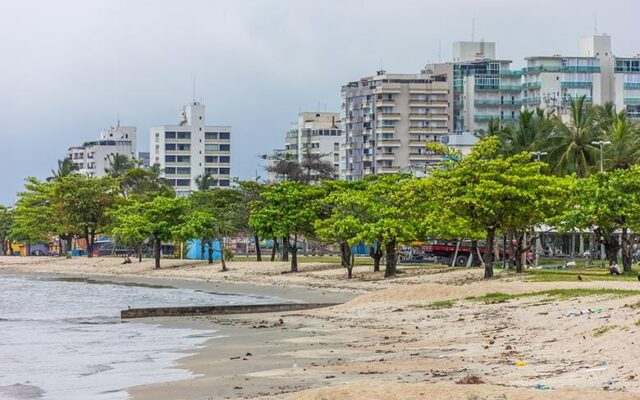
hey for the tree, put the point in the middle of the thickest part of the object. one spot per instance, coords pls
(118, 164)
(250, 191)
(66, 167)
(286, 209)
(85, 202)
(570, 145)
(312, 168)
(205, 181)
(624, 150)
(211, 215)
(145, 183)
(158, 220)
(6, 222)
(33, 220)
(606, 203)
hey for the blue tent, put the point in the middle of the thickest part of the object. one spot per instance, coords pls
(195, 246)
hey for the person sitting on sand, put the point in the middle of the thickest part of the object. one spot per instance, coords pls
(614, 269)
(127, 260)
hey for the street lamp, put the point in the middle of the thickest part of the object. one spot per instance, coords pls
(538, 154)
(601, 143)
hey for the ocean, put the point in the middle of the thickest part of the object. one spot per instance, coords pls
(63, 339)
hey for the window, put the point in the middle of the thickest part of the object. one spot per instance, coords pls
(170, 158)
(169, 146)
(183, 170)
(212, 171)
(182, 182)
(211, 135)
(212, 147)
(184, 135)
(224, 182)
(225, 135)
(169, 135)
(170, 170)
(211, 159)
(183, 159)
(224, 171)
(183, 147)
(225, 159)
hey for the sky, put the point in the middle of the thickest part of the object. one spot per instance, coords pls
(69, 68)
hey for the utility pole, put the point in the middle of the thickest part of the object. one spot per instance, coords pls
(601, 144)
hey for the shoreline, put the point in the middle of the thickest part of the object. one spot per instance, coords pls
(419, 334)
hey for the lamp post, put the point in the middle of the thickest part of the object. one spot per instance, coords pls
(601, 144)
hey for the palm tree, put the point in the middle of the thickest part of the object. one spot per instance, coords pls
(624, 150)
(146, 183)
(205, 181)
(119, 164)
(66, 167)
(570, 145)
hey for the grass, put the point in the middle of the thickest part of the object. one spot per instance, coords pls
(588, 274)
(603, 329)
(435, 305)
(554, 294)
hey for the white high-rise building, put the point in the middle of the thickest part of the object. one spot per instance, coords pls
(191, 148)
(94, 158)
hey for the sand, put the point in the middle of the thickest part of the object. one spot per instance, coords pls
(386, 344)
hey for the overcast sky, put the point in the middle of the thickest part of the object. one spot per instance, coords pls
(68, 68)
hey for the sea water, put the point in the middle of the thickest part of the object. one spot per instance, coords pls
(63, 339)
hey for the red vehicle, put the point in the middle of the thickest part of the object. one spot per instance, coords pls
(443, 252)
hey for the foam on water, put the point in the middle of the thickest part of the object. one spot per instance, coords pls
(65, 340)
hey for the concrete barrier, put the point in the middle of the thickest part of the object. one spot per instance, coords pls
(216, 310)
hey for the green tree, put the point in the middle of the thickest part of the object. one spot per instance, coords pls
(289, 210)
(66, 167)
(6, 222)
(158, 220)
(119, 164)
(205, 181)
(250, 192)
(85, 201)
(624, 150)
(145, 183)
(33, 214)
(570, 145)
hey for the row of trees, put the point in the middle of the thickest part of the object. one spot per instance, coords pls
(498, 189)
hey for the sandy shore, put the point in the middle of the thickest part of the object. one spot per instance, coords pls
(388, 343)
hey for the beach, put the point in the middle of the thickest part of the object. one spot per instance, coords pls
(414, 336)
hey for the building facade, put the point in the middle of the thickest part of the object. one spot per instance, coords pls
(387, 119)
(189, 149)
(316, 133)
(95, 157)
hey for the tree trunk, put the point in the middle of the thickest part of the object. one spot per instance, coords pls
(224, 263)
(519, 251)
(210, 255)
(88, 243)
(488, 254)
(258, 252)
(627, 247)
(140, 251)
(203, 242)
(294, 253)
(391, 259)
(475, 254)
(69, 248)
(60, 246)
(345, 256)
(611, 245)
(274, 249)
(375, 252)
(157, 248)
(285, 248)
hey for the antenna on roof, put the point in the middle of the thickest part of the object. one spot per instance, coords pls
(473, 28)
(118, 123)
(194, 89)
(595, 25)
(439, 51)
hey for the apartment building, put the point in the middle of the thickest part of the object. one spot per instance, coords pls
(550, 81)
(95, 157)
(387, 119)
(189, 149)
(316, 133)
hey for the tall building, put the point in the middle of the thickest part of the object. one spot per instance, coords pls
(550, 81)
(94, 158)
(484, 87)
(316, 133)
(189, 149)
(387, 119)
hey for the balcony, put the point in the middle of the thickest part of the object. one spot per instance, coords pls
(388, 142)
(497, 102)
(417, 143)
(531, 100)
(388, 170)
(385, 156)
(389, 116)
(385, 129)
(419, 117)
(428, 103)
(532, 85)
(558, 68)
(568, 84)
(385, 103)
(632, 100)
(488, 117)
(391, 88)
(424, 157)
(501, 88)
(632, 85)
